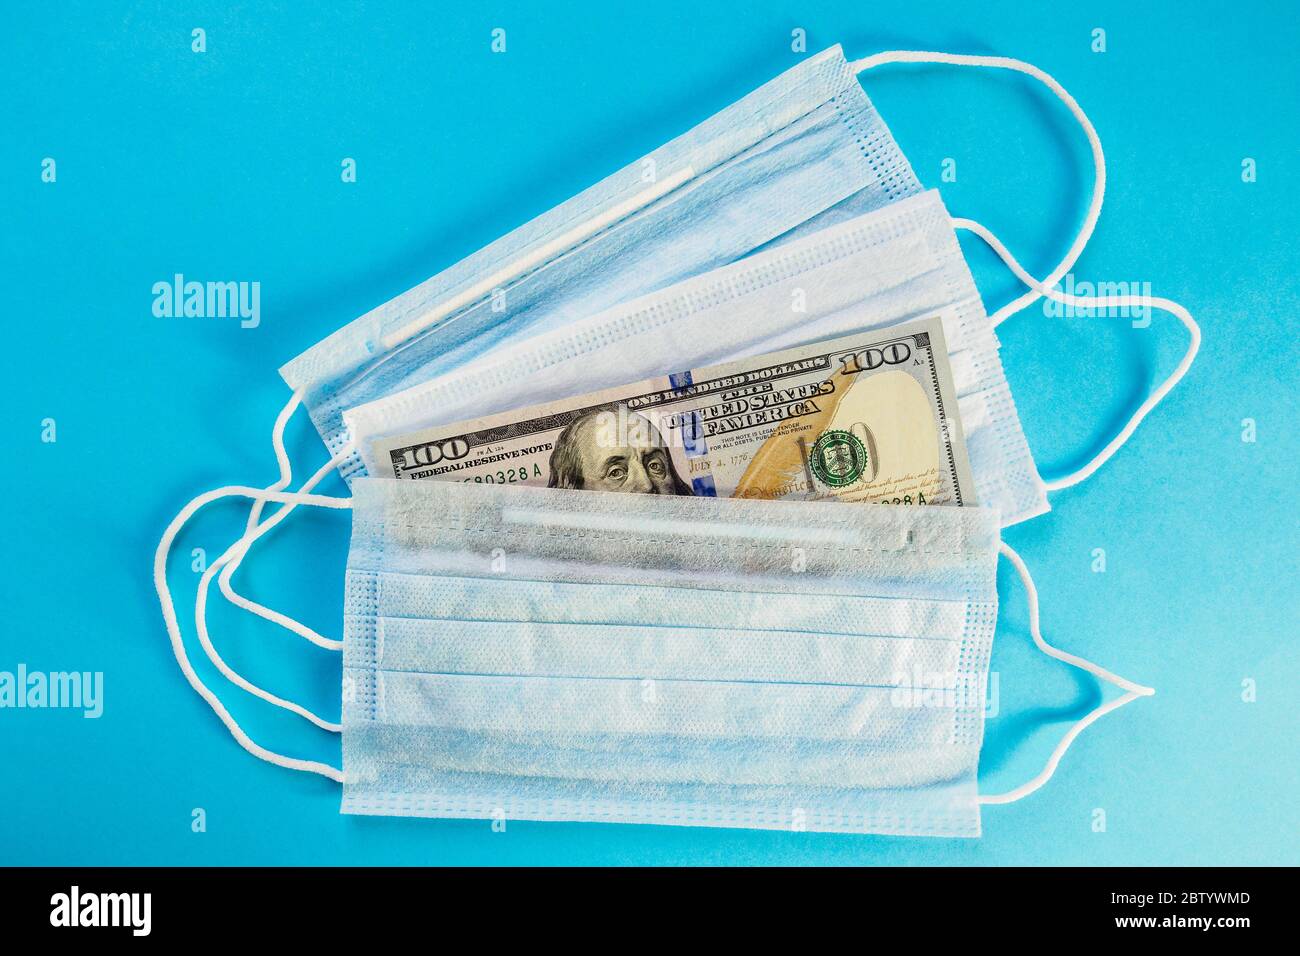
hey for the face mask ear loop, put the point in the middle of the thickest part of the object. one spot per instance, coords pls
(173, 625)
(1094, 143)
(240, 548)
(255, 513)
(1101, 302)
(1132, 691)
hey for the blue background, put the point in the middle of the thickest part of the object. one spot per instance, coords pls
(226, 165)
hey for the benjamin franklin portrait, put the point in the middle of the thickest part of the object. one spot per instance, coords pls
(592, 453)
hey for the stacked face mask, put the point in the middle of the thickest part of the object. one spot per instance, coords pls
(898, 263)
(554, 655)
(801, 152)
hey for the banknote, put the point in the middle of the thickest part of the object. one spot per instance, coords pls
(870, 417)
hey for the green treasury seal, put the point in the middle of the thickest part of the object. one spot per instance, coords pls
(838, 458)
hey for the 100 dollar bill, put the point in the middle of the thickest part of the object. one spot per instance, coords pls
(869, 417)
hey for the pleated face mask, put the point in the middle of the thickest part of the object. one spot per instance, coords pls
(546, 654)
(877, 270)
(564, 654)
(588, 656)
(802, 150)
(631, 280)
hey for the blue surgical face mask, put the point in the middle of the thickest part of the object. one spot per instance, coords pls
(898, 263)
(428, 608)
(589, 656)
(545, 654)
(803, 149)
(783, 169)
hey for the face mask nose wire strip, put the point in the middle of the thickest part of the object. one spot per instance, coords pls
(1101, 302)
(173, 626)
(1094, 143)
(1132, 691)
(561, 244)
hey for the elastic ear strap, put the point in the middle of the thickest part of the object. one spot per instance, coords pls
(1094, 143)
(231, 560)
(233, 555)
(1040, 289)
(238, 549)
(173, 626)
(254, 515)
(1102, 302)
(1133, 691)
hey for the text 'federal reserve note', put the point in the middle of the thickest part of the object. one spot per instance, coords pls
(870, 417)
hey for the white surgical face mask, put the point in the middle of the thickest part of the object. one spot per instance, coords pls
(898, 263)
(529, 653)
(422, 336)
(593, 656)
(814, 281)
(797, 151)
(781, 168)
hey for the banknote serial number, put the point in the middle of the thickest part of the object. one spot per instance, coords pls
(509, 476)
(903, 500)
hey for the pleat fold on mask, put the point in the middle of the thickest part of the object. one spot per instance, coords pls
(549, 654)
(684, 732)
(789, 153)
(664, 652)
(494, 598)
